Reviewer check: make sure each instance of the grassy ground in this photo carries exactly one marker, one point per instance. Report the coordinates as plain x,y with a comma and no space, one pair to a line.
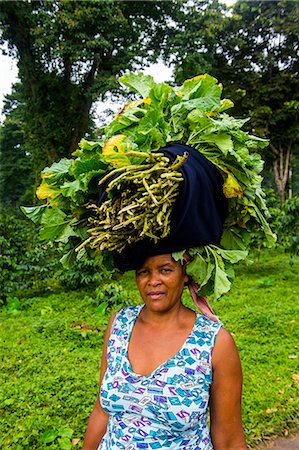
51,352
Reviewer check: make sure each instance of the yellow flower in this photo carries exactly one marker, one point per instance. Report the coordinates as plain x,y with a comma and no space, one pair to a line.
231,187
45,191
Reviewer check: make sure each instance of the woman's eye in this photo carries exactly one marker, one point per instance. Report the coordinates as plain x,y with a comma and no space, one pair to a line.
142,272
165,270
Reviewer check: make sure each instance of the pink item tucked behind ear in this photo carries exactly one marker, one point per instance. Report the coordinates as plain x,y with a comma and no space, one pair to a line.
202,302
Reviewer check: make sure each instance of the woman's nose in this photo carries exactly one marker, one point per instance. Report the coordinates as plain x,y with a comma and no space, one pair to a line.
154,279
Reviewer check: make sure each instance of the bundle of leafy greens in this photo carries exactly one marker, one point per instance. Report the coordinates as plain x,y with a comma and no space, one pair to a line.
192,114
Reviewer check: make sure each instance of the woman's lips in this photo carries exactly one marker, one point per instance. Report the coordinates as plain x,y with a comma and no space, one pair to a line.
155,295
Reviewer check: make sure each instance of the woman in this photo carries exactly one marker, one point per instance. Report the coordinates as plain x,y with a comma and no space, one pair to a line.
163,367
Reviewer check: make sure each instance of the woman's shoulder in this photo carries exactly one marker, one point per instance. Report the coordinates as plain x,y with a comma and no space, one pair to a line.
206,323
225,339
225,347
125,314
128,311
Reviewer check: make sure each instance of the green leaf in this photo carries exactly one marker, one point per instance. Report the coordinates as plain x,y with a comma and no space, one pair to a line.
8,402
225,104
140,83
232,255
178,256
198,119
229,123
65,432
13,303
88,146
101,309
222,283
49,436
160,95
222,140
232,240
57,170
202,103
64,443
71,188
86,177
271,237
117,159
34,213
202,86
68,259
94,163
127,118
229,270
56,225
200,269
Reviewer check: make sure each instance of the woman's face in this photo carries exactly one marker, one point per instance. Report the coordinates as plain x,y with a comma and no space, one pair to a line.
160,281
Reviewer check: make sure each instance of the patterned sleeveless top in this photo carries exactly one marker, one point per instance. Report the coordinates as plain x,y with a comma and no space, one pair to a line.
169,407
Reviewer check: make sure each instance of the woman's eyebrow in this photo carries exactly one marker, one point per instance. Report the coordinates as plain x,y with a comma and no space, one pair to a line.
165,265
160,266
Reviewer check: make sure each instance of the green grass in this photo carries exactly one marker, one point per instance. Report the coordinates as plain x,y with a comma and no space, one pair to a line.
51,353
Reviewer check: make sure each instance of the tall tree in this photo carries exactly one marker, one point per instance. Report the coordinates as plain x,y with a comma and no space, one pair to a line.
192,46
69,54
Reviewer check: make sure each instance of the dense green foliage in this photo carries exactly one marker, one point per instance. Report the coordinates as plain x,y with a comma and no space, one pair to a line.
51,349
30,266
27,264
254,52
16,175
286,222
69,54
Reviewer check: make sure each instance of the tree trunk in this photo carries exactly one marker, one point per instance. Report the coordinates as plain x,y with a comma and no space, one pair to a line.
81,124
281,164
290,178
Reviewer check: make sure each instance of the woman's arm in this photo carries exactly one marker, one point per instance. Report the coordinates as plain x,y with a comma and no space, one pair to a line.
98,420
226,391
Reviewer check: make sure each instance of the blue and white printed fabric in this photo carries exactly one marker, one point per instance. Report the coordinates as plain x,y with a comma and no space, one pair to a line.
167,409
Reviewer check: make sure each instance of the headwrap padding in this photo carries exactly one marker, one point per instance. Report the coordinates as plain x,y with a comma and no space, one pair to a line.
198,213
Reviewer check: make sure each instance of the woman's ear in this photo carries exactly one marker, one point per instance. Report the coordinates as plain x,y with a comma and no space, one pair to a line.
186,280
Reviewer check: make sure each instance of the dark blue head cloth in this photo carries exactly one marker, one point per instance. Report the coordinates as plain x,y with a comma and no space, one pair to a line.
198,213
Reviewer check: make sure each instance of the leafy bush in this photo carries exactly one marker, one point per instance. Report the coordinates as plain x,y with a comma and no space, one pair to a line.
288,226
30,267
110,295
82,273
27,265
284,220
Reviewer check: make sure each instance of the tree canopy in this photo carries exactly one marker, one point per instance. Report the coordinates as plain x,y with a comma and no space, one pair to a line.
263,47
16,175
253,51
69,54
